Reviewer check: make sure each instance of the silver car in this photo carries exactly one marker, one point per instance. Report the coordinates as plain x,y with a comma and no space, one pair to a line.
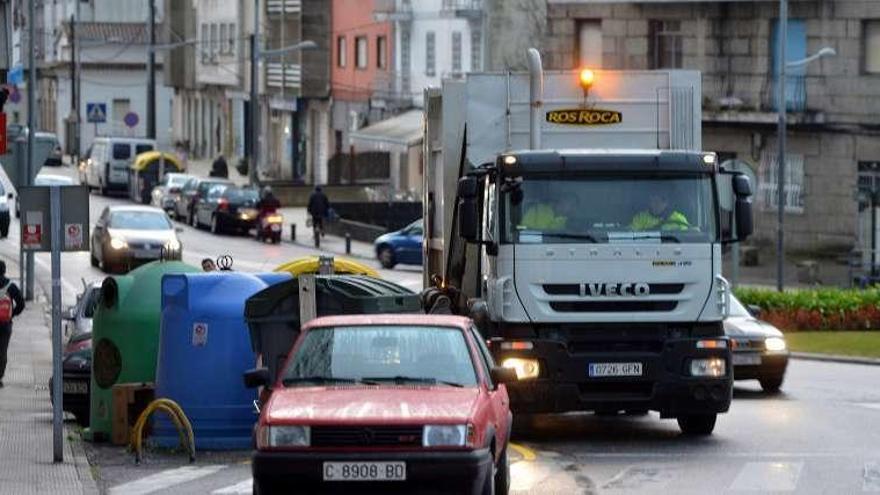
78,318
165,194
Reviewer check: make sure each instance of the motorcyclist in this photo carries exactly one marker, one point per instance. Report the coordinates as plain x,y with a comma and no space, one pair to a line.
268,203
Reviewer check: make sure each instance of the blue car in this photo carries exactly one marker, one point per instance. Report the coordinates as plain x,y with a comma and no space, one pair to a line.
403,246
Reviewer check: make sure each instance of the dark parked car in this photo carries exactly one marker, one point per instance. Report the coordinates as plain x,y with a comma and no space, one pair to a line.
228,209
403,246
759,349
193,190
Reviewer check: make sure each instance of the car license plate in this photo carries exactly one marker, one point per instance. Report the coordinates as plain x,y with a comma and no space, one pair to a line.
615,369
365,471
750,359
75,387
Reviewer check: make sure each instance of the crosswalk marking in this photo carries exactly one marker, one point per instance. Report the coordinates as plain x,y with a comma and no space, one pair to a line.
768,477
871,480
165,479
641,477
244,487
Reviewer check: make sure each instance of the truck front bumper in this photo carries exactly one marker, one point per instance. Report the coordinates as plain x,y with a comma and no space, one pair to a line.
665,384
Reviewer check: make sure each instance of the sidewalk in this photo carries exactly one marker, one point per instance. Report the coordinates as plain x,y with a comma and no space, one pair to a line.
26,465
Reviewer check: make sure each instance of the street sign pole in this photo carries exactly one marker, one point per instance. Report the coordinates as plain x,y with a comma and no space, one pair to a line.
57,390
32,130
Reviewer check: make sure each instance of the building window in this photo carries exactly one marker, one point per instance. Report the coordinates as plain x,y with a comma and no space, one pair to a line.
430,69
340,51
456,52
120,108
476,51
381,52
360,53
666,45
871,28
213,43
795,77
794,181
590,43
204,42
222,40
232,39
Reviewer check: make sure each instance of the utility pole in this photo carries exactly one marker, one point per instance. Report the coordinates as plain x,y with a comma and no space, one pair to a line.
781,105
151,80
254,178
32,129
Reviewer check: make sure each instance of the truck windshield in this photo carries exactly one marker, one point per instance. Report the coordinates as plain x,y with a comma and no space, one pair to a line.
609,209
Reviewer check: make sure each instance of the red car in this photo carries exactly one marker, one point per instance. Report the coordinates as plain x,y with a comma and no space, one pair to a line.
386,404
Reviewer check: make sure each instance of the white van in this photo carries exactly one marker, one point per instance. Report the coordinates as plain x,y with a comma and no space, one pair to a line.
108,164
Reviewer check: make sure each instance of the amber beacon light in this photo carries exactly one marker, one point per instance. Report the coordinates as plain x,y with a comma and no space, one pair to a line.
586,78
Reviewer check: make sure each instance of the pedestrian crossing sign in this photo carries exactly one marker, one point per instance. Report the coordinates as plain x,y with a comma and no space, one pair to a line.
96,112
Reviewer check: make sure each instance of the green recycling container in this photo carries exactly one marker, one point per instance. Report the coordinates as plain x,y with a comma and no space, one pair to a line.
125,336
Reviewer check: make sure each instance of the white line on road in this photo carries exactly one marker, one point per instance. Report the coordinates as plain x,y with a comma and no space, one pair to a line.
642,477
244,488
164,479
768,477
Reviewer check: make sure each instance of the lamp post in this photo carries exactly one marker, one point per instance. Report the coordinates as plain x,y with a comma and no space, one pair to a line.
781,107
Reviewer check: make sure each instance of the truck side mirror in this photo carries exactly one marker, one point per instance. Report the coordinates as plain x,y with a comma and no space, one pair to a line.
468,211
742,188
257,377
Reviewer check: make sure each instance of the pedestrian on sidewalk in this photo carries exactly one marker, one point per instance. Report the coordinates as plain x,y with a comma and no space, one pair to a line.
319,207
11,305
219,168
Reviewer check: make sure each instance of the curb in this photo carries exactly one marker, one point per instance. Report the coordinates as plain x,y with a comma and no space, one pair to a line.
835,358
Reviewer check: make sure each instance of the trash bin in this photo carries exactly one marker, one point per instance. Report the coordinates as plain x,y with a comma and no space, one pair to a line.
272,314
203,351
125,333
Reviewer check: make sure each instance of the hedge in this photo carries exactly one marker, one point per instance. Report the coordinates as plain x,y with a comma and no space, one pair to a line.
818,309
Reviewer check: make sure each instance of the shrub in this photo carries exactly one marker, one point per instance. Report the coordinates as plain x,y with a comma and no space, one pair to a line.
817,309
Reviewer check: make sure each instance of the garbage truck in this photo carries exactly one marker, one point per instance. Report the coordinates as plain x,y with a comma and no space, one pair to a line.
575,218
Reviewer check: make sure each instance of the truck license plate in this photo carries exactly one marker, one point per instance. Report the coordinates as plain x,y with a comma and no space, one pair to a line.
365,471
75,387
615,369
750,359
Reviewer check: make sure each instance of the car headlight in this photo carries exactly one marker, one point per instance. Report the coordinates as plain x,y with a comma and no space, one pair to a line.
711,367
284,436
445,436
172,245
774,344
117,243
526,369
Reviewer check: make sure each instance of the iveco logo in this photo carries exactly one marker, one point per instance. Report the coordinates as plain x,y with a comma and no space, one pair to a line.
621,289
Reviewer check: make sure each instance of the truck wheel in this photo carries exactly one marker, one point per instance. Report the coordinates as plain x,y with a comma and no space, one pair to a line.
697,424
771,385
386,257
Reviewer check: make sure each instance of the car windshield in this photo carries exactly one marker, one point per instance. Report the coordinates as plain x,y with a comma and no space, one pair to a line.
737,309
176,180
139,220
90,303
381,354
216,190
243,196
609,209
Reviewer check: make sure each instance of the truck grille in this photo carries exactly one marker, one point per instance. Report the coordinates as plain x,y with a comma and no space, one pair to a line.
612,306
575,289
647,346
363,436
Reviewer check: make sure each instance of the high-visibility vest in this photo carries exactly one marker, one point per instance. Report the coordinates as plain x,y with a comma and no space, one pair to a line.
542,217
645,220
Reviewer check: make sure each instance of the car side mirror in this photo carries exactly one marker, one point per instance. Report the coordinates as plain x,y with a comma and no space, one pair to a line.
754,310
257,377
468,212
503,375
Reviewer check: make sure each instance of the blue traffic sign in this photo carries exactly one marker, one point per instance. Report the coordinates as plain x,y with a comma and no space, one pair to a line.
96,112
131,119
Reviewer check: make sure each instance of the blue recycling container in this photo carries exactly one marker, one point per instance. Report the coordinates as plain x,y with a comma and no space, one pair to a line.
204,349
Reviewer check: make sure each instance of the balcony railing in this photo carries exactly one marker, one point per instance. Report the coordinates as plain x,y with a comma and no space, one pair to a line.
795,94
280,75
276,7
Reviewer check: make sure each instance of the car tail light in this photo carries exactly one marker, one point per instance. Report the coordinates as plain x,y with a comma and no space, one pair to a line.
223,205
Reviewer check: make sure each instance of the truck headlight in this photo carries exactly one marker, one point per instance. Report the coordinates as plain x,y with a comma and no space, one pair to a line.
444,436
526,369
284,436
117,243
710,367
774,344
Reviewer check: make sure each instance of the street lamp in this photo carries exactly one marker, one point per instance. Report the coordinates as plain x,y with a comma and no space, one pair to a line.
781,107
